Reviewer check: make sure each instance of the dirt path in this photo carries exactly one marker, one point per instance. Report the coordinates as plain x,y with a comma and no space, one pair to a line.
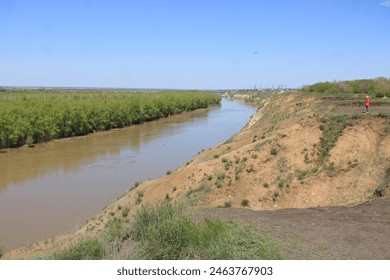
361,232
362,110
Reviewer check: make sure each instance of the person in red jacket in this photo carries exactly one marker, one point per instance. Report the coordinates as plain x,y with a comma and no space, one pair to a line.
367,103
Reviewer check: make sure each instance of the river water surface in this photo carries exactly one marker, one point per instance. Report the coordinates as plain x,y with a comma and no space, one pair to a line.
55,187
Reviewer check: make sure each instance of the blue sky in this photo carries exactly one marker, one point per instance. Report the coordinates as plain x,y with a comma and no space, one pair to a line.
202,44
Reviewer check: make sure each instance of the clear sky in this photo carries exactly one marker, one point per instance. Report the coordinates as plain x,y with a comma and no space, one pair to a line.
194,44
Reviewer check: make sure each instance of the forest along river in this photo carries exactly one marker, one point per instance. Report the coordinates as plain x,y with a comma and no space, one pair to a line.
55,187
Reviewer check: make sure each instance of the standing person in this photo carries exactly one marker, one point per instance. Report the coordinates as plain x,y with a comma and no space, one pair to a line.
367,103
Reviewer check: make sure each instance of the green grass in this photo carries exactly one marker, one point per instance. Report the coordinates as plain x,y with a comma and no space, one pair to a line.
139,197
115,232
89,249
166,232
195,195
227,204
302,174
125,212
330,135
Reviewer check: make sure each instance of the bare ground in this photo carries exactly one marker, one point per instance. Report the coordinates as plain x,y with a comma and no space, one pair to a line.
360,232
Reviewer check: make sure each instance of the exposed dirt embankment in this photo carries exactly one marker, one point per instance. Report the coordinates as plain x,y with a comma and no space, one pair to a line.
295,153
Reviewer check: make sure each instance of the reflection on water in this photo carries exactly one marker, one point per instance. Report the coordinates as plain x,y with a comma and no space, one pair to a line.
56,186
19,165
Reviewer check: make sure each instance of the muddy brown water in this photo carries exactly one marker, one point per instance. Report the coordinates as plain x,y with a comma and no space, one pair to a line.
55,187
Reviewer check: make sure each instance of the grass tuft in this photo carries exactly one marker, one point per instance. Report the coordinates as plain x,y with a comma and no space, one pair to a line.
125,212
139,197
194,196
165,232
227,204
90,249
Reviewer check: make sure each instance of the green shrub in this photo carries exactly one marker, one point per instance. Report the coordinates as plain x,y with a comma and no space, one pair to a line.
227,204
330,136
125,212
90,249
302,175
245,202
114,232
139,197
274,151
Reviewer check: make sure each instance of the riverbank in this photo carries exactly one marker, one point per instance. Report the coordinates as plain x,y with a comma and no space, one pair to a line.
297,152
57,186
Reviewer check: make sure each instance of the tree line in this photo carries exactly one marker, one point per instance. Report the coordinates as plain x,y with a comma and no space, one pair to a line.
379,87
34,116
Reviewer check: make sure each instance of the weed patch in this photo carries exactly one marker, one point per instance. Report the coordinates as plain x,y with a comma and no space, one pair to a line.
125,212
302,174
227,204
194,196
90,249
139,197
330,136
245,202
165,232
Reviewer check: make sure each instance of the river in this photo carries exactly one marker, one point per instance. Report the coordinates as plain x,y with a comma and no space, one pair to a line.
55,187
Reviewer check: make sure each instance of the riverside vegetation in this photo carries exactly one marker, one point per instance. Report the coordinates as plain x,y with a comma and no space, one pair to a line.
34,116
166,231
